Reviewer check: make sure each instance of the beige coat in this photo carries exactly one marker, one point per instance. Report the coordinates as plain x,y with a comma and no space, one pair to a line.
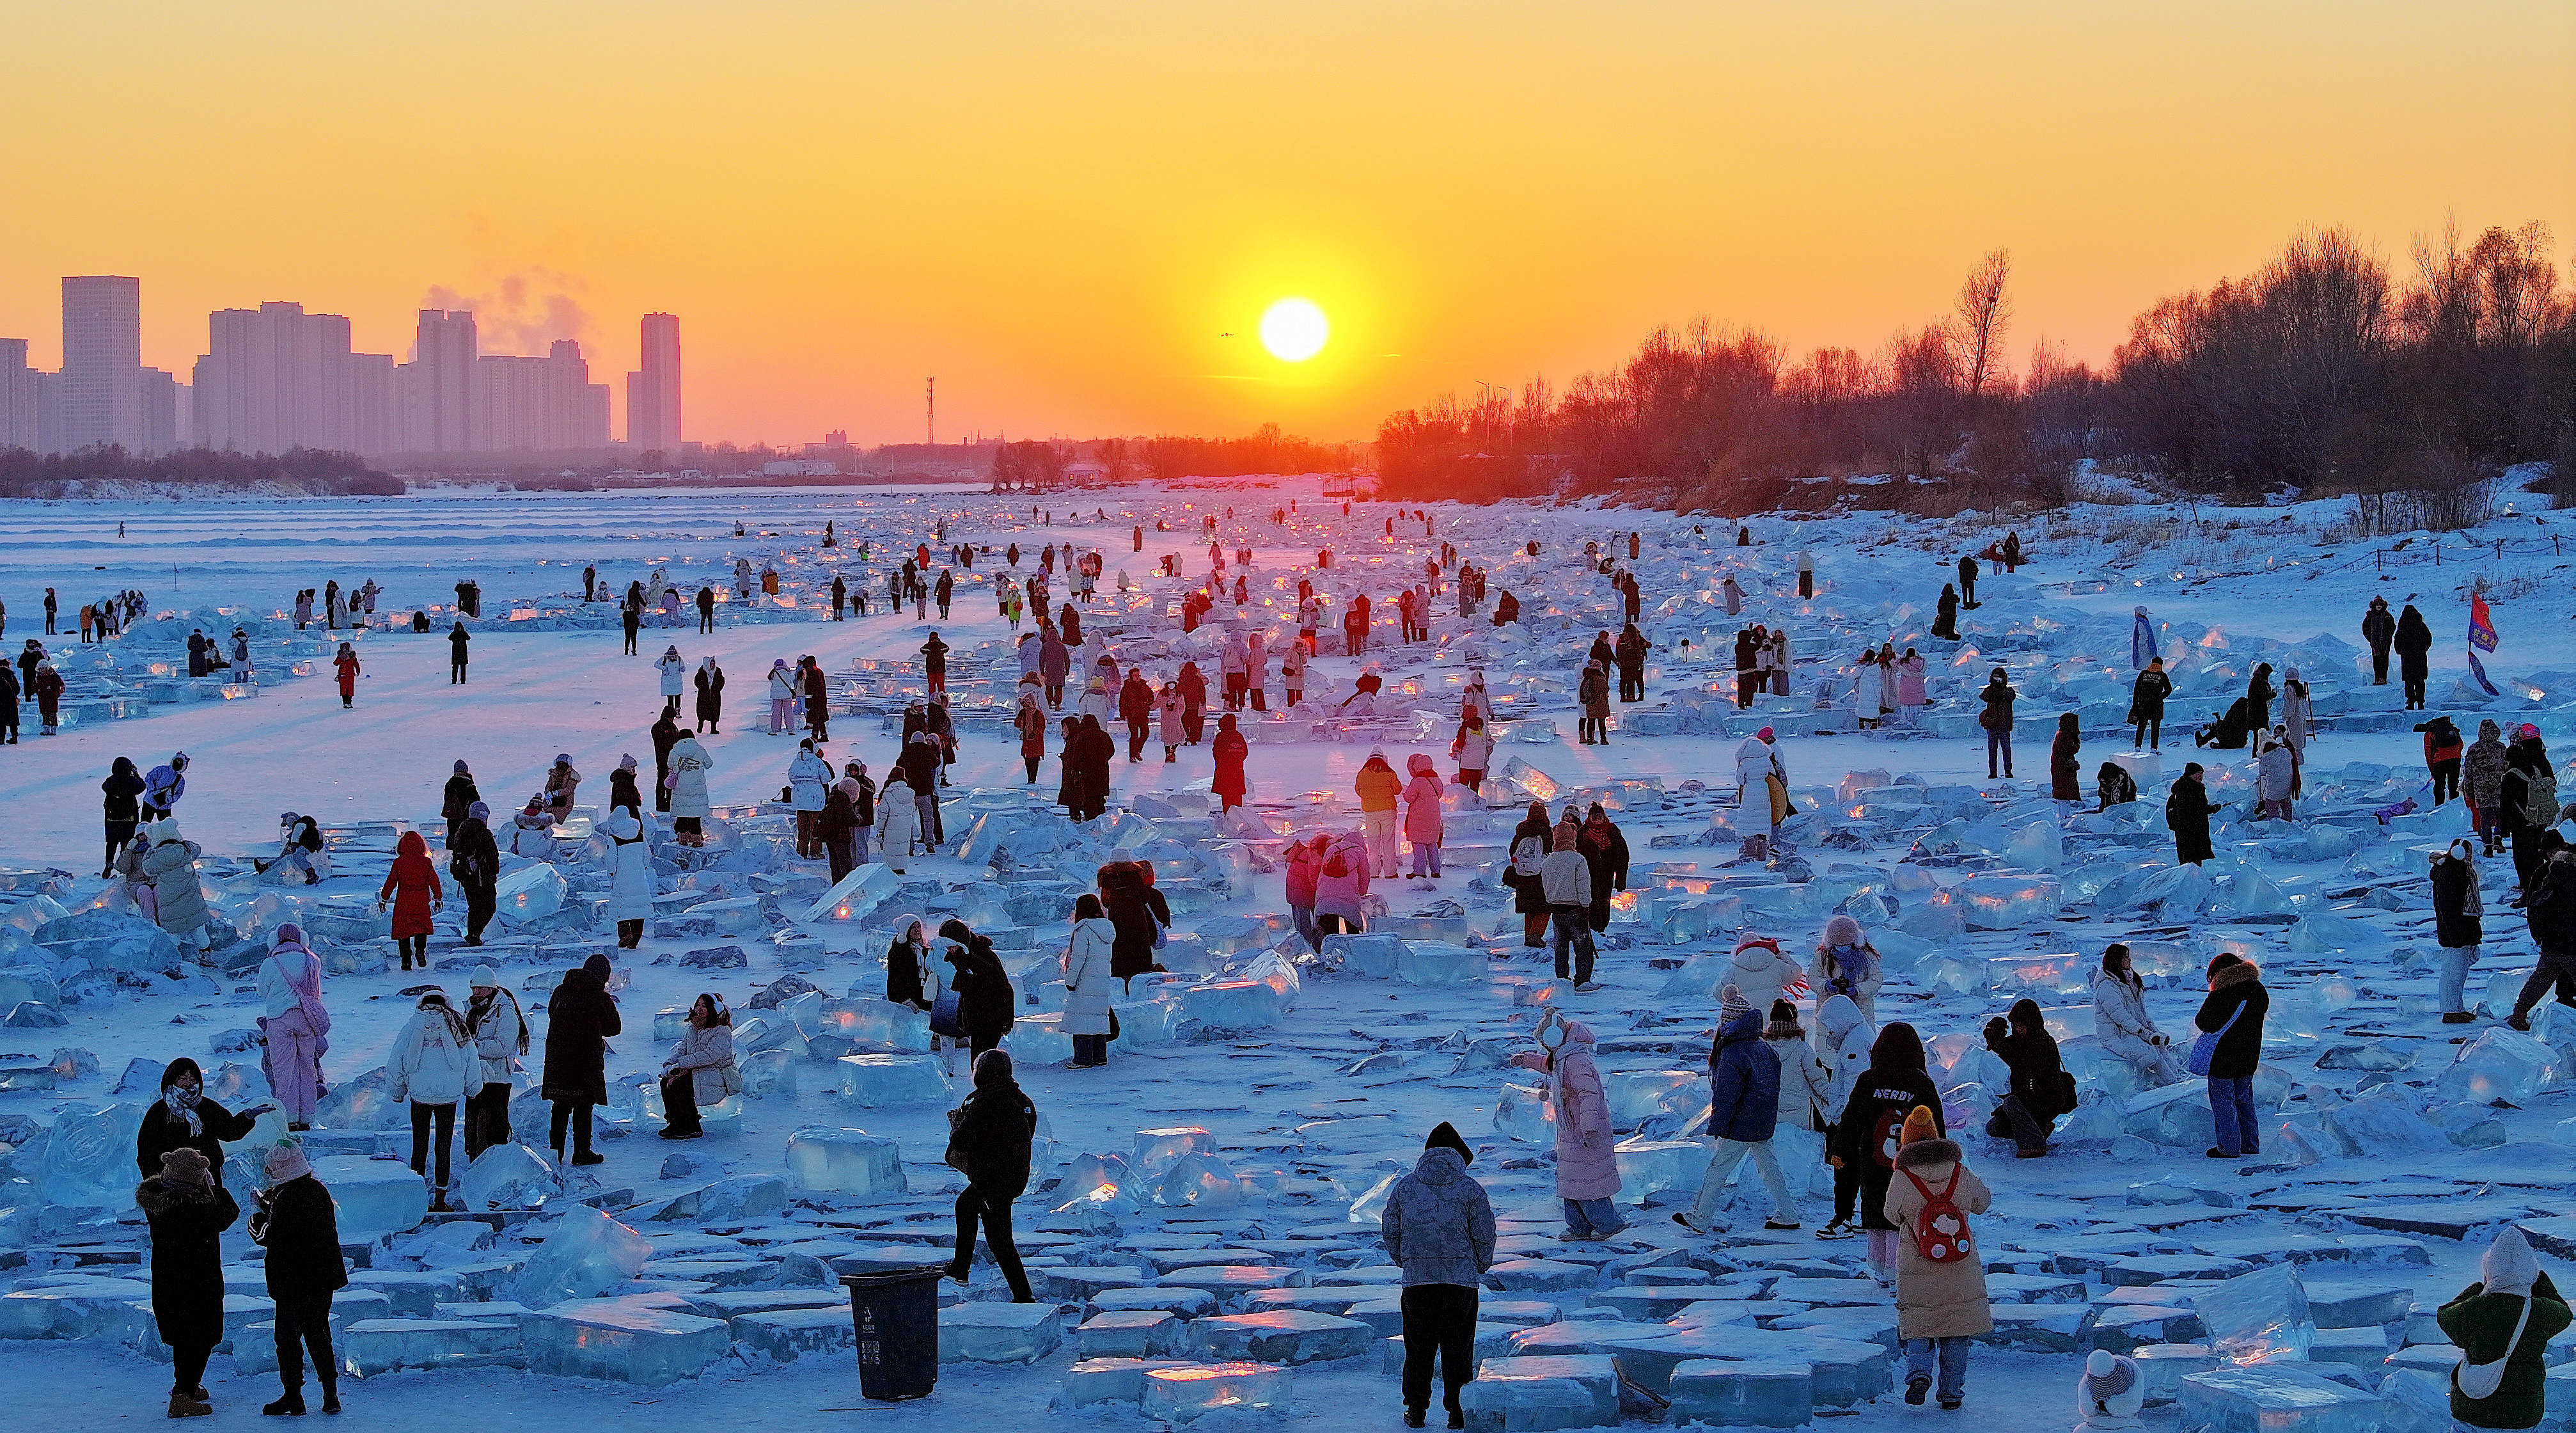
1937,1300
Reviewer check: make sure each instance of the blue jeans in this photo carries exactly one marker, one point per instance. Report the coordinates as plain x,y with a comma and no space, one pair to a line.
1954,1364
1574,928
1998,748
1591,1216
2231,1109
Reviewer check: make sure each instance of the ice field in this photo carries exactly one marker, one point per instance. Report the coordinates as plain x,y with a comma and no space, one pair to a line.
1205,1198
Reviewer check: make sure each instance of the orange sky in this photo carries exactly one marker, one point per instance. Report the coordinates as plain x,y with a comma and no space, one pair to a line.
1057,208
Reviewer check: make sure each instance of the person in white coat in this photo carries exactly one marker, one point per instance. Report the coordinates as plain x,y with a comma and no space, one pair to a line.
2123,1026
2298,713
1757,766
1759,970
1775,660
700,1070
1733,591
432,1067
690,763
630,876
500,1032
783,693
1805,1084
1476,701
1843,1037
898,821
1087,984
807,777
675,678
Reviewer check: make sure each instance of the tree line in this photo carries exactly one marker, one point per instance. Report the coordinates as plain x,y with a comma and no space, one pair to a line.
2322,371
25,474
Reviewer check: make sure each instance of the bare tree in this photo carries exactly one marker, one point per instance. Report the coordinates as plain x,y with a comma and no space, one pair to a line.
1983,315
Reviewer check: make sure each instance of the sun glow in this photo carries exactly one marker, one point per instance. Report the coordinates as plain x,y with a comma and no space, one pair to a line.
1294,330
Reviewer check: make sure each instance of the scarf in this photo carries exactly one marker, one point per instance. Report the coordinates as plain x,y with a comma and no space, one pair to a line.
1597,831
181,1102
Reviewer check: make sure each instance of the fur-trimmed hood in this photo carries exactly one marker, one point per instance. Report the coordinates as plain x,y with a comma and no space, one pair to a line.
2242,973
1924,1153
159,1196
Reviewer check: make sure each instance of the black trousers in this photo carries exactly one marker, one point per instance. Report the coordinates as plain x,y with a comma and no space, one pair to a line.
188,1367
304,1323
487,1118
680,1101
2152,728
481,901
422,1117
1031,762
707,619
2379,666
1439,1322
976,1206
575,1113
2446,780
1135,741
455,673
1632,686
2554,970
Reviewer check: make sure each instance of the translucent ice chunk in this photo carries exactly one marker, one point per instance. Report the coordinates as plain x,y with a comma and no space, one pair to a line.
585,1254
2276,1399
998,1333
2383,1123
2502,1064
1742,1395
88,1159
509,1176
626,1340
857,896
1270,969
1648,1166
1638,1095
1231,1004
884,1026
1159,1149
375,1197
1179,1395
1440,963
2261,1317
2040,974
530,893
2007,900
769,1073
2335,993
1521,1112
823,1159
1199,1180
1374,955
877,1081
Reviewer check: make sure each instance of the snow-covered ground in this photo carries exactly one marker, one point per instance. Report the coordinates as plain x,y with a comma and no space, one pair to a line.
2375,1159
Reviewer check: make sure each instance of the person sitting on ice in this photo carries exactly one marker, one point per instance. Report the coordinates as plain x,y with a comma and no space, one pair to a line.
2108,1394
2114,785
532,831
2228,731
1368,685
301,857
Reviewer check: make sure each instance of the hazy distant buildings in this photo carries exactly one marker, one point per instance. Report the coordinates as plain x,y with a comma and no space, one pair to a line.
29,410
438,384
653,390
106,395
276,378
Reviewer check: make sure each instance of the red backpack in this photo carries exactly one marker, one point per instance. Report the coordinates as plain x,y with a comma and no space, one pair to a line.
1941,1231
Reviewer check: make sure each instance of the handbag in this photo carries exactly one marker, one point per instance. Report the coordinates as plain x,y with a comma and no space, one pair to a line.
2481,1380
2204,1050
943,1016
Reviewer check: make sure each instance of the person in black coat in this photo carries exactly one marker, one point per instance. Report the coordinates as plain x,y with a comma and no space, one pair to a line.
2187,812
457,638
2414,643
183,1118
907,965
1122,896
666,734
1605,852
2147,705
710,681
123,791
474,859
2258,697
2380,630
298,1226
459,795
2036,1096
1968,578
2234,1011
1865,1136
988,1142
1945,619
1529,897
188,1212
580,1017
987,1002
1997,719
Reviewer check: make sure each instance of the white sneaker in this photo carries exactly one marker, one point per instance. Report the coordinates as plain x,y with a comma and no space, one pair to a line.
1587,987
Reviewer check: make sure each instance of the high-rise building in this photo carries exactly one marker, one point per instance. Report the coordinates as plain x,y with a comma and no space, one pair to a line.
653,390
277,378
439,385
22,399
540,405
102,378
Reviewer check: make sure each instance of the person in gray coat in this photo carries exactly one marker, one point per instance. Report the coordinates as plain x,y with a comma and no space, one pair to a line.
1439,1227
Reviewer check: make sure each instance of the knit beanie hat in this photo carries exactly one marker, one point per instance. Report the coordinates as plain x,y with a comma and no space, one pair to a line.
1732,1006
286,1161
2111,1384
484,978
1920,1124
1842,930
1446,1136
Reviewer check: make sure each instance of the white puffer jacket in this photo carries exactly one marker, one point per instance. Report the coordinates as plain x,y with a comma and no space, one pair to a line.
1760,973
2120,1010
1843,1037
432,1064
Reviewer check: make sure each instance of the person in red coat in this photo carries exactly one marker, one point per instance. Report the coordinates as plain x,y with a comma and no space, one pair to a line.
1231,749
347,663
412,885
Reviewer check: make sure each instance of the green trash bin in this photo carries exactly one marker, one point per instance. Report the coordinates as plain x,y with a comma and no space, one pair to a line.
896,1314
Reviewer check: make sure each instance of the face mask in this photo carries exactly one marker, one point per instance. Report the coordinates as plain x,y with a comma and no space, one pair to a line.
181,1097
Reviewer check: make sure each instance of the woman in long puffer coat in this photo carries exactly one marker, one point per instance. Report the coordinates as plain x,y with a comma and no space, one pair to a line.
433,1067
700,1069
2481,781
2123,1026
1865,1136
630,876
1940,1304
1167,712
123,787
412,886
1587,1168
2065,770
1342,884
987,1002
898,821
1422,824
690,764
188,1211
1231,752
171,866
580,1017
1842,1040
1088,983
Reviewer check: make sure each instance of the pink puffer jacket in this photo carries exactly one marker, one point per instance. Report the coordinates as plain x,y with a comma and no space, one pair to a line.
1422,802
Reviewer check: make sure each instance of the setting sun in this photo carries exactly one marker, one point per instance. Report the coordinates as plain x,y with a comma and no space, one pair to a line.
1294,330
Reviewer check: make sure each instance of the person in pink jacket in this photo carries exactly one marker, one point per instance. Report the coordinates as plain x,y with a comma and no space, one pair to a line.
1422,816
1342,885
1587,1166
1305,869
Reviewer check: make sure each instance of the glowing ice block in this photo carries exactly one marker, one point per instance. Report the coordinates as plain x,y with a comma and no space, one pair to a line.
822,1159
585,1254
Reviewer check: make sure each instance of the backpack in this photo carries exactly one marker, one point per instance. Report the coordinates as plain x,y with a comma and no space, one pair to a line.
1527,854
1337,861
1940,1232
